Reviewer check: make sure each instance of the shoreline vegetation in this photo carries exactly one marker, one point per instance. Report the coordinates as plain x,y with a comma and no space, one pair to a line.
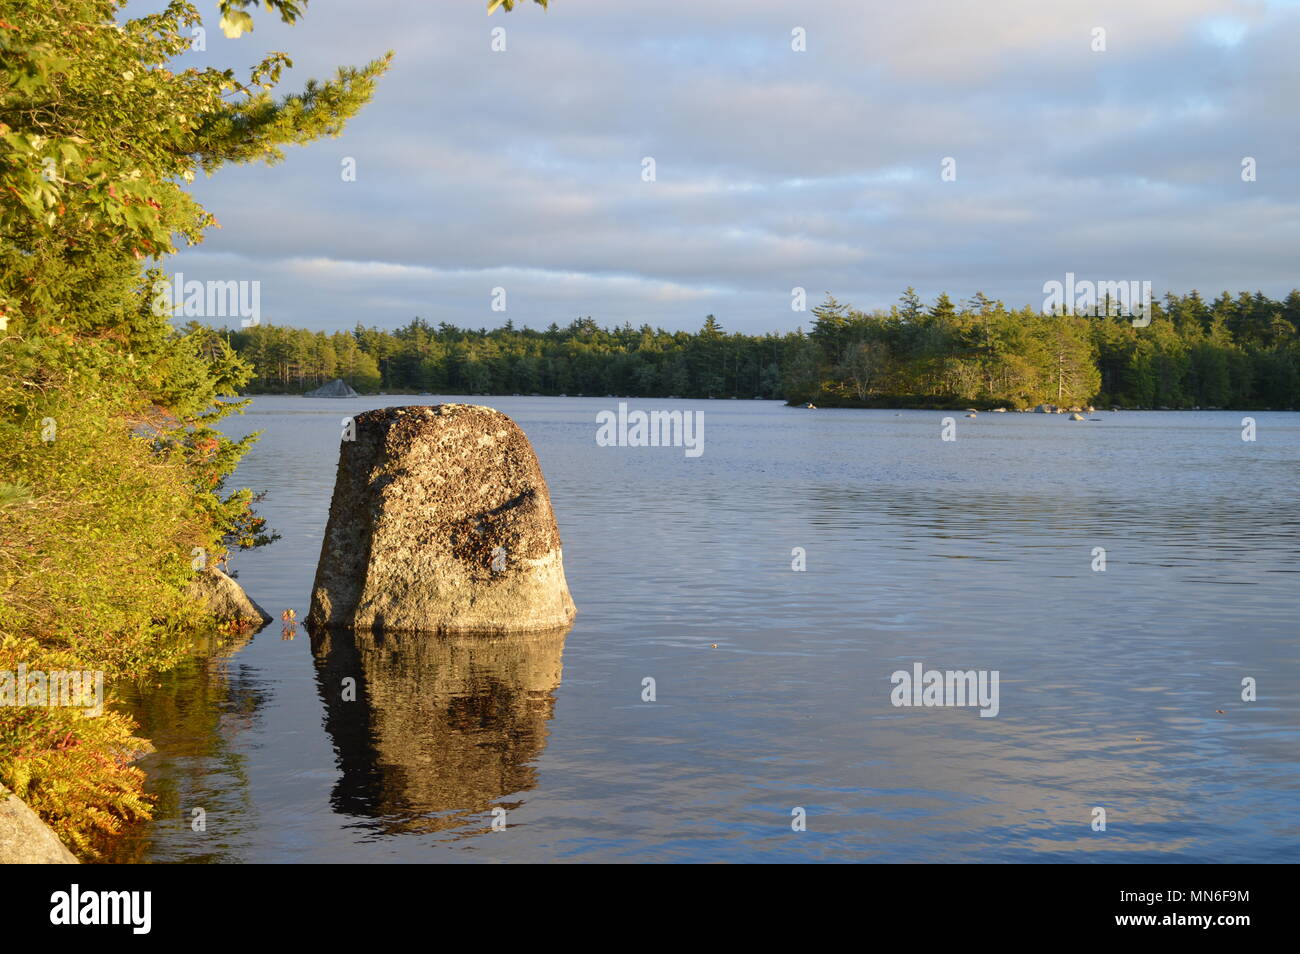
113,473
1239,352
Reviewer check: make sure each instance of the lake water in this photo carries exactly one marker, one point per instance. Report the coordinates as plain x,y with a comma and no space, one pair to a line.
975,554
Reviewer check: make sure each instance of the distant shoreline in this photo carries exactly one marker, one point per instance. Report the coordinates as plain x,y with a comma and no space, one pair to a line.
983,406
846,406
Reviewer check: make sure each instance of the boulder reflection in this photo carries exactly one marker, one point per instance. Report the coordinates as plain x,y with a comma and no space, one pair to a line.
441,729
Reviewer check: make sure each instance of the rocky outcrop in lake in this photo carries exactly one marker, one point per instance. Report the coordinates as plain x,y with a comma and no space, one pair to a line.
440,523
338,388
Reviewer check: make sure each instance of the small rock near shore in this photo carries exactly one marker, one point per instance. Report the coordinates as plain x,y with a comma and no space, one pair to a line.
225,598
25,839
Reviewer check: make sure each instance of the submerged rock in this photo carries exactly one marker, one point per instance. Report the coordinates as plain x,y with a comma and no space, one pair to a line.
25,839
225,598
440,523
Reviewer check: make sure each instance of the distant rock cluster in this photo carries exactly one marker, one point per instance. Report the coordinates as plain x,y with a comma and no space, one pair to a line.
338,388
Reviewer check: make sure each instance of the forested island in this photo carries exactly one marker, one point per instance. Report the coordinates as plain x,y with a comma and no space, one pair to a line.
1236,351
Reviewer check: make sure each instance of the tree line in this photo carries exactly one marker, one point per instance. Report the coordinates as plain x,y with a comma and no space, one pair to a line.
1238,350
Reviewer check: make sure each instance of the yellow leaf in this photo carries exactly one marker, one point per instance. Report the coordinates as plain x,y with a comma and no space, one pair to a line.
236,22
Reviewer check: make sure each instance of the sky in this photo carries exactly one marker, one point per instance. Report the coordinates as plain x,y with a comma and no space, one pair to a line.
825,169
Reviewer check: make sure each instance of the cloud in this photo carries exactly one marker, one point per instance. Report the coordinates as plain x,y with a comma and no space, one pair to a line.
774,168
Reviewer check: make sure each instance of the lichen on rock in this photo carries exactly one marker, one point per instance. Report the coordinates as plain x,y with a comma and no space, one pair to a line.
440,522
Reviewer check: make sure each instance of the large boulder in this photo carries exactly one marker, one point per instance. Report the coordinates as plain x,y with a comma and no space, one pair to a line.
25,839
440,523
225,598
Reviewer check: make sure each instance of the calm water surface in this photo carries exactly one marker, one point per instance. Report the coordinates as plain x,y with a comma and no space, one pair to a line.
973,554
